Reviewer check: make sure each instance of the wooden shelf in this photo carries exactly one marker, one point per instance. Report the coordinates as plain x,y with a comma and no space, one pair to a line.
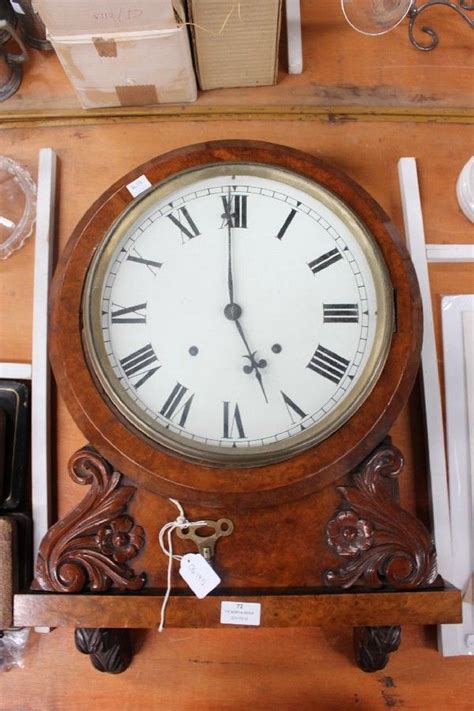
346,75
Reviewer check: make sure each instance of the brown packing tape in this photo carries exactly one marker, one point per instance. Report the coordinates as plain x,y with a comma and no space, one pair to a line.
143,95
105,48
92,98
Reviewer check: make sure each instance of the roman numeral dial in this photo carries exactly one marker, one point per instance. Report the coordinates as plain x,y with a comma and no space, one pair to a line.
185,223
129,314
294,411
136,365
289,219
235,210
341,313
151,264
178,404
325,260
232,422
328,364
238,314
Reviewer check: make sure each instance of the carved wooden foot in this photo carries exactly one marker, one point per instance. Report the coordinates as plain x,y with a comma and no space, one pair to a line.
373,645
110,649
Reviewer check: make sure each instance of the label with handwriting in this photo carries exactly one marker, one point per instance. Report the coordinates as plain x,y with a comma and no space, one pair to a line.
138,186
198,574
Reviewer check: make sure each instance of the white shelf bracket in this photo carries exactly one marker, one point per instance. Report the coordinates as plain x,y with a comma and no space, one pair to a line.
414,230
293,31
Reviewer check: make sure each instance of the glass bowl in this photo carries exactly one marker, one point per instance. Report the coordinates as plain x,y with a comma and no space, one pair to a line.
17,206
375,17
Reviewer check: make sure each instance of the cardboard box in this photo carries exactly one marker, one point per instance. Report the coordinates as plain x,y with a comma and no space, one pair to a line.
129,69
81,17
235,43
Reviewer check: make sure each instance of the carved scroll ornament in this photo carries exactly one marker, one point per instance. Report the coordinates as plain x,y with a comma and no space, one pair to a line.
383,544
90,548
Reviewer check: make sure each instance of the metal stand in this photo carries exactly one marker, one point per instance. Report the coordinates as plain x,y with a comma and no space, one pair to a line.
462,7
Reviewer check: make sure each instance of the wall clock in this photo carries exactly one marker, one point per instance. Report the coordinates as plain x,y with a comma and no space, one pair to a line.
241,333
238,335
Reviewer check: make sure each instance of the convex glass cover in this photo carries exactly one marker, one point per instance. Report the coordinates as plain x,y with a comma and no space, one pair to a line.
237,313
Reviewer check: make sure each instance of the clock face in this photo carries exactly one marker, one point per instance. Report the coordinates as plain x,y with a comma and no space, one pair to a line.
237,313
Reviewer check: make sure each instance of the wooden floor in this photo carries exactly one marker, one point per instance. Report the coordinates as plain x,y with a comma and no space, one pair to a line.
395,102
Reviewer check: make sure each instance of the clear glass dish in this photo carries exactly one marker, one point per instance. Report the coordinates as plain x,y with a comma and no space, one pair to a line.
465,189
17,206
375,17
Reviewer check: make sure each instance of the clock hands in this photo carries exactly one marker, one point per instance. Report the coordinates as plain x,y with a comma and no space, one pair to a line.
233,311
227,216
254,364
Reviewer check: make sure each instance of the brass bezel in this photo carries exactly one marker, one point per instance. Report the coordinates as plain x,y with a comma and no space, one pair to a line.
194,450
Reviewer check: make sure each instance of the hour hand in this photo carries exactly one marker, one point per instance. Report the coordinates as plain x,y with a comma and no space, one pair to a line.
254,363
256,366
233,312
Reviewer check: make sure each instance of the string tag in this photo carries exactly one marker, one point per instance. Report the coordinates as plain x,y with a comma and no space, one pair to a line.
198,574
195,571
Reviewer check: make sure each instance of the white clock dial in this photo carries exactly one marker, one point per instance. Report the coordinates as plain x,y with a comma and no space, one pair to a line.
237,313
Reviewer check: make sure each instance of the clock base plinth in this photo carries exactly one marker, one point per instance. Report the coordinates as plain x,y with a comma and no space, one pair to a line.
371,566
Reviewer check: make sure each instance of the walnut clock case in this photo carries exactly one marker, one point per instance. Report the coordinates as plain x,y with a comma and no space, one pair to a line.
238,336
315,271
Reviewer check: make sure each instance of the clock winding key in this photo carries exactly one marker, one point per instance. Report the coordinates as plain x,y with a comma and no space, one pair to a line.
206,543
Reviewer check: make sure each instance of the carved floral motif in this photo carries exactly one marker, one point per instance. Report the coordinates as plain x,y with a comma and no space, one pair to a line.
385,545
90,547
348,534
120,539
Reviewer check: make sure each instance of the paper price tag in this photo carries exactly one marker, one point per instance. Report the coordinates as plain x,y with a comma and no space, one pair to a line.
138,186
198,574
241,613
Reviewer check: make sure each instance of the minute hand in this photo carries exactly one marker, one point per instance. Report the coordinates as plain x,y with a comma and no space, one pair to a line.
233,310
